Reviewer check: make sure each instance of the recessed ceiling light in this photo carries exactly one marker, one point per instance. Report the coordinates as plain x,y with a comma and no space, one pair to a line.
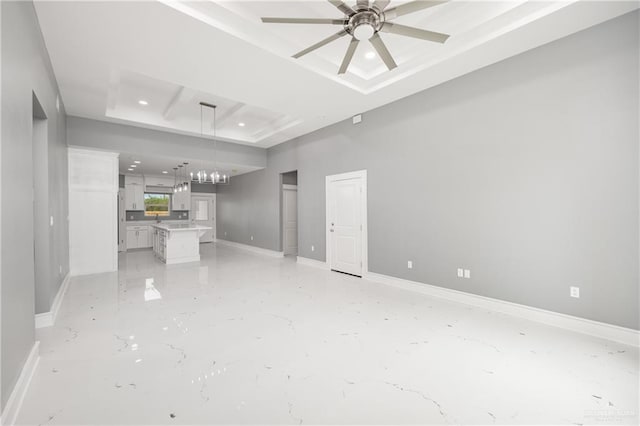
164,172
133,165
241,124
370,55
130,170
137,162
143,102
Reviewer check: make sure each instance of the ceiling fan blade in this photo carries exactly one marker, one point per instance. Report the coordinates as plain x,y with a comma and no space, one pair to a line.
362,4
379,5
414,6
403,30
349,55
304,21
382,50
320,44
343,7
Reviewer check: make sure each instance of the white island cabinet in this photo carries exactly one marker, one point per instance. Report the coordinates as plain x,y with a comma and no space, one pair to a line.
177,243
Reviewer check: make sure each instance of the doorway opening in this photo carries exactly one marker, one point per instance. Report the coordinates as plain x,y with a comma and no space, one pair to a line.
289,224
40,193
346,237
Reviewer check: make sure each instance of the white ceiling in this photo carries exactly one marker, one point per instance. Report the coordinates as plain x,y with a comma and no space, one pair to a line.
109,55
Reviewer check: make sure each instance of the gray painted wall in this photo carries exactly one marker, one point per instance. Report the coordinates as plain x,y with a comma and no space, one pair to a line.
203,188
113,137
290,178
525,172
26,70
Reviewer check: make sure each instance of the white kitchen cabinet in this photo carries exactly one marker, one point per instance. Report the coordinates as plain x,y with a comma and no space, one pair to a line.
138,237
154,182
182,200
134,193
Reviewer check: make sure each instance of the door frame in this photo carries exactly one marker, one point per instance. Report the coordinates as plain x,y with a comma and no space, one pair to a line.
288,187
362,174
214,200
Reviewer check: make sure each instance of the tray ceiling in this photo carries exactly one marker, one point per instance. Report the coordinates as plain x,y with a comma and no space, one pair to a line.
109,56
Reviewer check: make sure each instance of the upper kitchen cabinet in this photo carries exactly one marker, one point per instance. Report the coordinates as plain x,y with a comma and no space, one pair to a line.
134,193
182,200
153,183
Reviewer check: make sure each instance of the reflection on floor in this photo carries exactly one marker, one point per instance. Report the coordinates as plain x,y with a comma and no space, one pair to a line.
245,338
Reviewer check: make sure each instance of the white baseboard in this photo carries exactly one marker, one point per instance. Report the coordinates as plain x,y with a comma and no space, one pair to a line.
615,333
47,319
14,403
254,249
312,262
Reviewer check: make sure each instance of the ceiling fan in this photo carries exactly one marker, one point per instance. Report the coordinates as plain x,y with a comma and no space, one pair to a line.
364,22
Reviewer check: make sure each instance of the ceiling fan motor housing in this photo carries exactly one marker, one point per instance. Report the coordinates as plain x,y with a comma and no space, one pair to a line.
364,24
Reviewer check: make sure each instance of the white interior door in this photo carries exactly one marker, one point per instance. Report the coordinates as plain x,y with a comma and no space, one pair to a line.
346,222
290,219
203,208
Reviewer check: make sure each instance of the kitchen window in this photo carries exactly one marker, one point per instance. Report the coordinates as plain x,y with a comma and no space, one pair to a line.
157,204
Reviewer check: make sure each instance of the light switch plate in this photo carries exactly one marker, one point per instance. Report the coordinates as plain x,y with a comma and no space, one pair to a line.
574,292
51,221
409,264
357,118
467,273
313,248
460,273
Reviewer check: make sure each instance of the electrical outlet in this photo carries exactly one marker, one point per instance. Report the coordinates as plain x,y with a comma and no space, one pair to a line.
252,238
51,221
60,267
313,248
131,217
575,292
409,264
467,273
225,233
460,273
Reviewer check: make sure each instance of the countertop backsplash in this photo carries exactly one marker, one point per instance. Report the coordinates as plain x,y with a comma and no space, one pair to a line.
139,216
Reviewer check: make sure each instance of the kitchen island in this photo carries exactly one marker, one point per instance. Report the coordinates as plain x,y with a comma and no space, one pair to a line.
177,243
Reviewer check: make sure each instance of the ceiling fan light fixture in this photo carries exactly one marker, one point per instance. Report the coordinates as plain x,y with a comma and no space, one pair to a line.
364,22
363,32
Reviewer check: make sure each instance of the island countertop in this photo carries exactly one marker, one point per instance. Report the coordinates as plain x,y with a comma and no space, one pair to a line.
180,227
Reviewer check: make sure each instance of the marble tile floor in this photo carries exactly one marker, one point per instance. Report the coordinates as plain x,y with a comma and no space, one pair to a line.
245,338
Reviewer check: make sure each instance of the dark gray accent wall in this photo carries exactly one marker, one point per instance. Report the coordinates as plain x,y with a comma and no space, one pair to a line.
290,178
120,138
203,188
26,71
524,172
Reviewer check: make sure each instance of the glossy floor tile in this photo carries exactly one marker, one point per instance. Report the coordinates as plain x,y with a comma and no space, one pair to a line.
245,338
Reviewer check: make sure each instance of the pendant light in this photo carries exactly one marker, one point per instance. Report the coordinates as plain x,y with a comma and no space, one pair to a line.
201,174
217,177
180,184
175,179
185,183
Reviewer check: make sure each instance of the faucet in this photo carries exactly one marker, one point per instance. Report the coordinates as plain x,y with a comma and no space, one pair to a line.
157,219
